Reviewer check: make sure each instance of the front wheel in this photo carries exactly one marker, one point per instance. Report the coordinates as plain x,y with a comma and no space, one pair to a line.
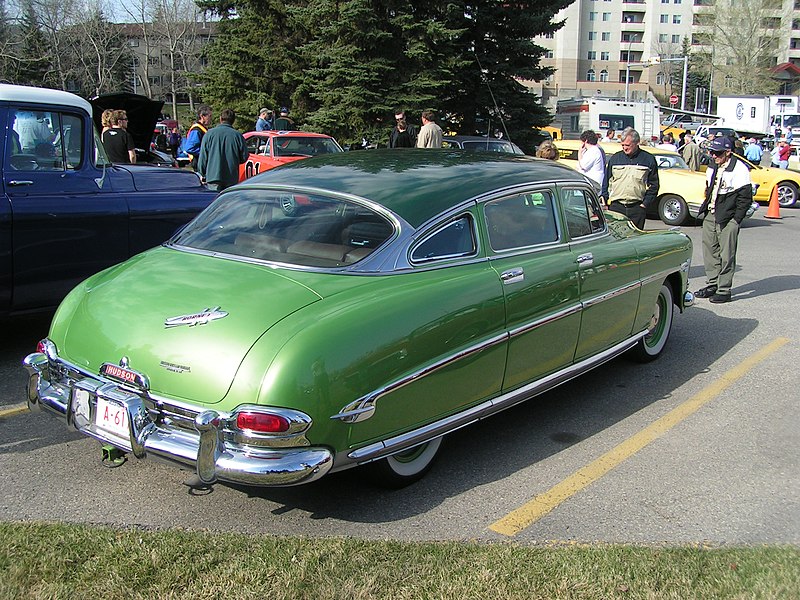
673,210
650,346
404,468
787,194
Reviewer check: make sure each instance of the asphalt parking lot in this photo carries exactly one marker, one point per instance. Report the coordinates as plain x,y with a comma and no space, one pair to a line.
700,446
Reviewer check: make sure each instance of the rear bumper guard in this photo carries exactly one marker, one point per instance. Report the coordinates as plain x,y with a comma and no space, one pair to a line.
204,449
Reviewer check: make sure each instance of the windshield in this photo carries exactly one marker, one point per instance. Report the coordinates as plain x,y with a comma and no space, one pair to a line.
304,146
289,228
791,120
489,146
671,161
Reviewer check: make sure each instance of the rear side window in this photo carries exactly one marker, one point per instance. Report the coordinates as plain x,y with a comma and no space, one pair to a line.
45,140
453,240
521,221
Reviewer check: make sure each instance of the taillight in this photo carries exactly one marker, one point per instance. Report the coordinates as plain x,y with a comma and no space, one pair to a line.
40,347
260,422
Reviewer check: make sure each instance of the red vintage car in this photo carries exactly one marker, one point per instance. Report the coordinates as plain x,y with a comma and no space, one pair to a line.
270,149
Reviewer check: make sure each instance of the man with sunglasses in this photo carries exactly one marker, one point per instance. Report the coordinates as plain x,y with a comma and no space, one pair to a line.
729,193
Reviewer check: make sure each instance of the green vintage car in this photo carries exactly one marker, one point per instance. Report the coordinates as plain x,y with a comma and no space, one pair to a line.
353,309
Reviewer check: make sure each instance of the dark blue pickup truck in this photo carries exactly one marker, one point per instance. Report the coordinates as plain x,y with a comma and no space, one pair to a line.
66,212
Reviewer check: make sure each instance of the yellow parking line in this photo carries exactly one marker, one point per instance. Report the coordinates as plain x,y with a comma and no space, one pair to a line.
529,513
14,409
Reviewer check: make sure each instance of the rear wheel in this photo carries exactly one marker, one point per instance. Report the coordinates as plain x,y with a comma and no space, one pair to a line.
673,210
787,194
650,346
404,468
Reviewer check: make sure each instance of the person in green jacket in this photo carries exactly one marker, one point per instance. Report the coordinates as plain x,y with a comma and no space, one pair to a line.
222,150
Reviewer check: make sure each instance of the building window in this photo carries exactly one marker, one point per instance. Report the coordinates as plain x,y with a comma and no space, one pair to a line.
660,78
664,19
606,36
605,56
133,43
592,35
662,37
606,16
549,54
676,1
549,36
676,39
590,75
604,75
676,19
592,55
592,16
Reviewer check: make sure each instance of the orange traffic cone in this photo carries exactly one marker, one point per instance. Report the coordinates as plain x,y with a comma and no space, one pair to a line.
774,208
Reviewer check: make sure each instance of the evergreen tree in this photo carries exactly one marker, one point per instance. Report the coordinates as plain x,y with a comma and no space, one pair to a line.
252,57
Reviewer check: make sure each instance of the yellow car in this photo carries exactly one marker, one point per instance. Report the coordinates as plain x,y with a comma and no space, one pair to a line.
681,190
786,181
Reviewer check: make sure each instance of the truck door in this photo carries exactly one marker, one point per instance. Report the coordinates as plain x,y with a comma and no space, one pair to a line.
66,222
5,228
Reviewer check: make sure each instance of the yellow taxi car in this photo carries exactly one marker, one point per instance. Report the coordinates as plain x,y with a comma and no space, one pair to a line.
681,190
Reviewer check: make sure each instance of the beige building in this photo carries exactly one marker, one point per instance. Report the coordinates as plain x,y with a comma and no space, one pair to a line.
603,42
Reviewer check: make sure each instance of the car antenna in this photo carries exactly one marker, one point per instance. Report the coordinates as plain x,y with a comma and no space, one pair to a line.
497,108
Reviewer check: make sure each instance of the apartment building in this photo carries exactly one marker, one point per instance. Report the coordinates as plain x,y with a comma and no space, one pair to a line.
605,42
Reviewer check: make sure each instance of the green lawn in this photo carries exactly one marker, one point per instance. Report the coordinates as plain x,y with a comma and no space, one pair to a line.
70,561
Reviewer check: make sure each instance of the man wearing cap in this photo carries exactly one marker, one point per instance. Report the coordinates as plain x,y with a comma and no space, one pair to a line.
284,122
264,122
729,193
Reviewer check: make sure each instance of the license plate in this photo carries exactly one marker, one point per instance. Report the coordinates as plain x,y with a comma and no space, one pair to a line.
112,417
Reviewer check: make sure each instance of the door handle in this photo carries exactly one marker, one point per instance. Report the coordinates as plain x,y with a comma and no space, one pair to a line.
20,182
585,260
513,275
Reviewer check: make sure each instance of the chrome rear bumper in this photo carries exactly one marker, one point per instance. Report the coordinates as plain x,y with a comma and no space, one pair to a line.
205,448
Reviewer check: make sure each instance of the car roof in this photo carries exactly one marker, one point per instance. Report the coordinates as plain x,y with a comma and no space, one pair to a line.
416,184
24,93
293,133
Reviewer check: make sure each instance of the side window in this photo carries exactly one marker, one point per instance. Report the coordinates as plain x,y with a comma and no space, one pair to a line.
584,215
45,141
252,144
520,221
454,239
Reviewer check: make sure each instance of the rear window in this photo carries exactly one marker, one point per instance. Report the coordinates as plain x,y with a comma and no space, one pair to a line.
297,229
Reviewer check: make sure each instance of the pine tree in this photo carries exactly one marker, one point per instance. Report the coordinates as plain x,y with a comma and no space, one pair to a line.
33,66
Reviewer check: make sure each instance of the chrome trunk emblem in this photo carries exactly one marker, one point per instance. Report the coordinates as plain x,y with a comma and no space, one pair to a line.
200,318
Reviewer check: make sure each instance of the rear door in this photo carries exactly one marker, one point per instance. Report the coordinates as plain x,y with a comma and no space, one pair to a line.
67,223
539,277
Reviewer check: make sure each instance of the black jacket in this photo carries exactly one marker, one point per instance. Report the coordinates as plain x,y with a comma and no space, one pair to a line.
735,193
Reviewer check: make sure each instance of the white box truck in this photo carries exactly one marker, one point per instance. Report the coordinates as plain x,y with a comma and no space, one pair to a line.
601,114
759,116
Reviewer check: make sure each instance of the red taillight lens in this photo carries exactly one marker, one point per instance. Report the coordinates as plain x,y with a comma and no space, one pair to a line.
40,346
261,422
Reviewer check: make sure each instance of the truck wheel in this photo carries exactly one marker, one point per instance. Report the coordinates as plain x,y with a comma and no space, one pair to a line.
673,210
787,194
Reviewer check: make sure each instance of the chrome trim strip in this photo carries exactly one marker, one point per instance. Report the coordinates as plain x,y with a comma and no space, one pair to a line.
612,294
564,312
364,407
658,276
485,409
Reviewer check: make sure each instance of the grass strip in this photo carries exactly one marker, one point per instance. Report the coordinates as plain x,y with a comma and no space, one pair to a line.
41,560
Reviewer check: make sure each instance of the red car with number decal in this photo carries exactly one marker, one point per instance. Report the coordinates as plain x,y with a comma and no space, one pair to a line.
270,149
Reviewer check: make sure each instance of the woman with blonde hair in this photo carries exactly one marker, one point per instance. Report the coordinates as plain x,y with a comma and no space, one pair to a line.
548,150
105,119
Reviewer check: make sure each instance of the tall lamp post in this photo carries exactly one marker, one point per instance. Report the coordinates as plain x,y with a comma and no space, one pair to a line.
654,60
685,60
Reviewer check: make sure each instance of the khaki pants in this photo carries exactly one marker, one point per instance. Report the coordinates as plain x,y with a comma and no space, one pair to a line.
719,253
